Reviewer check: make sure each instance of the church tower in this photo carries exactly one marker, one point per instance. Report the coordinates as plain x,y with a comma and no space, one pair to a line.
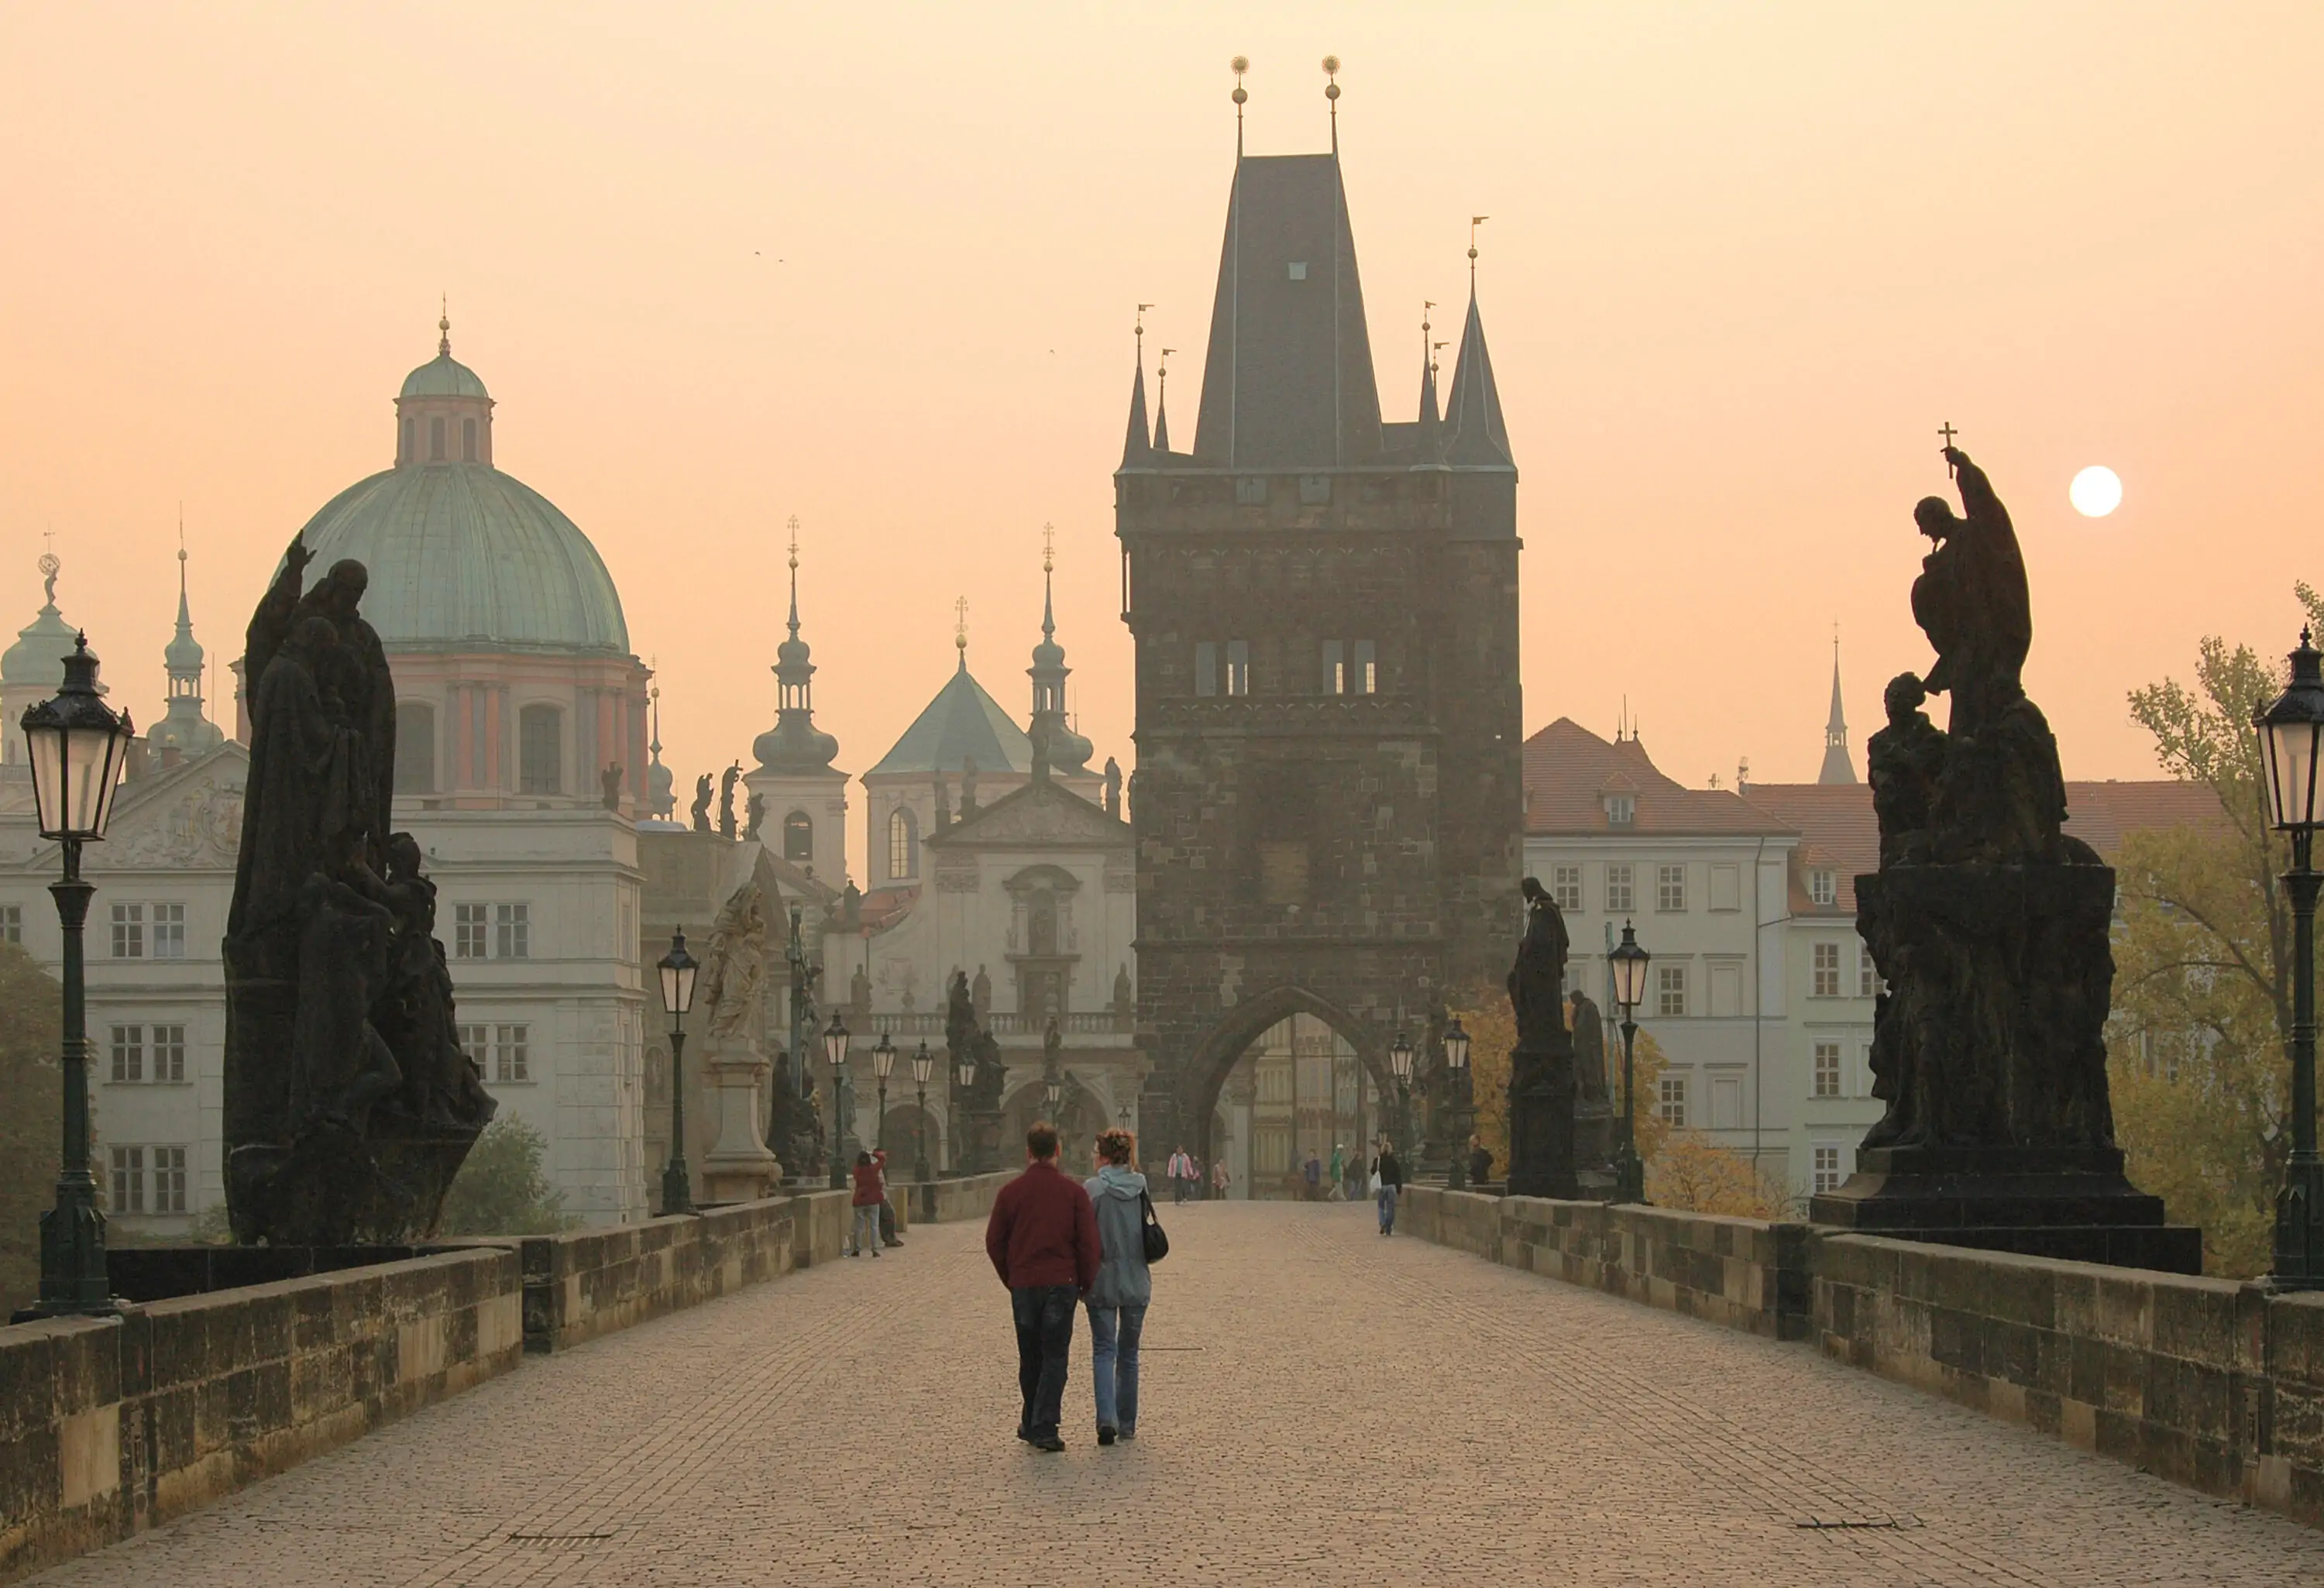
1837,766
805,795
183,731
1052,733
1325,607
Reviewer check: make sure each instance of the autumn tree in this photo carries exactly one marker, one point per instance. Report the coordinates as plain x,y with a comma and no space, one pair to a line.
2203,994
31,1105
503,1188
1485,1014
1693,1173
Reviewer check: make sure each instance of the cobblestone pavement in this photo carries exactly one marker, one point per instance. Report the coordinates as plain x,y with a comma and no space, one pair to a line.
1319,1406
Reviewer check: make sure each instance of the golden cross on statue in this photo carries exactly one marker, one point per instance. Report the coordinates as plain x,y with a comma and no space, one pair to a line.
1948,432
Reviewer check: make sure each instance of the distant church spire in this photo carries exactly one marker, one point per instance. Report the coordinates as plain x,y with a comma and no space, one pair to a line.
1137,445
794,745
444,327
183,729
1239,65
662,797
1837,768
1162,402
1066,752
1474,407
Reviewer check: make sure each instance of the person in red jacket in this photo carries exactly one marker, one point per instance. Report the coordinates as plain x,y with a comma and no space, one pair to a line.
871,1195
1042,1239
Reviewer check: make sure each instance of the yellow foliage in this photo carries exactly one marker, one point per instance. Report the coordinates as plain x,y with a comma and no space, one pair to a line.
1492,1027
1693,1173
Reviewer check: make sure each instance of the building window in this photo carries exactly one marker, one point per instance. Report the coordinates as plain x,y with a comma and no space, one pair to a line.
1565,886
169,1179
410,438
1206,667
1298,270
512,1053
169,932
1669,1105
1826,1070
1824,971
1618,889
1364,677
1314,490
1250,490
1670,887
12,924
540,750
903,844
468,931
128,931
1868,974
129,1180
1621,809
436,439
511,931
1335,668
798,836
170,1054
1824,887
1670,990
1238,667
415,747
128,1052
1827,1168
468,440
476,1042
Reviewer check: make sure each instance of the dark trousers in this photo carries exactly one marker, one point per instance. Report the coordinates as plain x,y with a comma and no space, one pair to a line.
1045,1335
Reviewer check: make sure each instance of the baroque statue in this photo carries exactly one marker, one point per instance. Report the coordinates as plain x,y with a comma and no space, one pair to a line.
1989,927
733,973
727,781
1541,1090
701,806
349,1104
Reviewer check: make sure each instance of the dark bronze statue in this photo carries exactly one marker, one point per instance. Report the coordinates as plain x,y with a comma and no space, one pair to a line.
1112,787
1588,1029
1536,981
1540,1067
701,808
609,786
1902,763
348,1103
727,781
754,813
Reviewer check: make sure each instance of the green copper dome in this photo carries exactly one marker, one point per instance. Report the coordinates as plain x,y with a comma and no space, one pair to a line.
463,557
443,376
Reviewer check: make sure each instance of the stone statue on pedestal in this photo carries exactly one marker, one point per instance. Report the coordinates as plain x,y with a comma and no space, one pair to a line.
349,1105
701,806
609,786
731,989
1540,1067
1989,927
727,781
1593,1110
754,814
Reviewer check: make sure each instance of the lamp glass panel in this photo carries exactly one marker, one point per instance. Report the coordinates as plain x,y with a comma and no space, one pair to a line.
1399,1059
883,1059
1630,978
834,1043
2292,757
924,1065
108,779
1456,1049
669,988
47,748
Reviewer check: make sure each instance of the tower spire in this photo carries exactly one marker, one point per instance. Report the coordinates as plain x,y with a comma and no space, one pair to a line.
1137,445
1331,97
794,744
1162,402
1838,767
444,326
1058,745
960,630
183,730
793,527
1239,65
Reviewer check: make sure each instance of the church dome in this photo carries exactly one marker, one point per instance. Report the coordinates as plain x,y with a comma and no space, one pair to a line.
37,658
463,557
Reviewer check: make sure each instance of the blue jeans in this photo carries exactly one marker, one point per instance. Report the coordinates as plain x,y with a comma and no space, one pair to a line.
1043,1315
1387,1209
1114,1332
866,1236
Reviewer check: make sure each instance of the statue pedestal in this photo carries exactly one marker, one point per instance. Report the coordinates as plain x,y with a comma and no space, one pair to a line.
738,1167
1593,1137
1541,1122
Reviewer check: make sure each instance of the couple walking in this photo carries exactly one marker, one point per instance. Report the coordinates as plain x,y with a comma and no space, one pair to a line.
1055,1242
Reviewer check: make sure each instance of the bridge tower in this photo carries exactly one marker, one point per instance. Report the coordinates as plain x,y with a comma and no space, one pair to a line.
1327,802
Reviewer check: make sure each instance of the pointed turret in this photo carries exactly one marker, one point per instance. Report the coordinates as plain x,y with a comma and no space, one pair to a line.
1136,447
183,730
794,745
1837,768
1162,404
1431,431
1474,412
1067,752
661,792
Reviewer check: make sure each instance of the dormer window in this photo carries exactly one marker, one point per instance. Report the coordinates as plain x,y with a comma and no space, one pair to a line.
1824,887
1621,809
1298,270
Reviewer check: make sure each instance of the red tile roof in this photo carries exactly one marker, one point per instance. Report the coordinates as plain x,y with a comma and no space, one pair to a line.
1568,771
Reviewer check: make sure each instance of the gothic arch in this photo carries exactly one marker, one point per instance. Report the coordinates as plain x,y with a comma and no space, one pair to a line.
1223,1046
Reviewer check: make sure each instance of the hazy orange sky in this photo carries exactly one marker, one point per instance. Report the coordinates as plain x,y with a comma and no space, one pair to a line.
875,266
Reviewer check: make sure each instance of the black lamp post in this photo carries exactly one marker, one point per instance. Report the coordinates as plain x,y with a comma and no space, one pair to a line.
1463,1101
1399,1064
677,972
924,1065
1629,965
2290,738
843,1101
961,1118
883,1062
79,745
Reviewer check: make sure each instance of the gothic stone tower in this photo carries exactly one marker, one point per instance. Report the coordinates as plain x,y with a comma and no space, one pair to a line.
1327,803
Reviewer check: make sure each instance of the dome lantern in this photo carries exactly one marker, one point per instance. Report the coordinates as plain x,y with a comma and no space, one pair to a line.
443,414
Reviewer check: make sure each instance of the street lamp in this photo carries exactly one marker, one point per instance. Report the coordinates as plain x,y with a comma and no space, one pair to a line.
77,745
842,1101
883,1061
1053,1088
924,1065
1629,965
1456,1066
679,969
1399,1064
2290,738
961,1118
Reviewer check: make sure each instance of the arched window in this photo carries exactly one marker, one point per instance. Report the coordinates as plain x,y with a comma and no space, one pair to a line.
415,747
468,440
903,844
411,440
798,836
1041,923
540,750
436,439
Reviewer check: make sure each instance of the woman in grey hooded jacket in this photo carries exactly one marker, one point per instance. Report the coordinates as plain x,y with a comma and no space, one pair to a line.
1118,1301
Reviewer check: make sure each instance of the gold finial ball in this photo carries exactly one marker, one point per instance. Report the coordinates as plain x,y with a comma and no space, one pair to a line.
1239,65
1239,97
1472,251
1330,63
1330,90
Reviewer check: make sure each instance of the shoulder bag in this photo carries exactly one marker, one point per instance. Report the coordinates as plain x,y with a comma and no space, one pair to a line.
1157,1244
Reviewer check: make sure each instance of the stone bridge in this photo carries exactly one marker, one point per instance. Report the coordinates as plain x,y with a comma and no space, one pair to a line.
1320,1405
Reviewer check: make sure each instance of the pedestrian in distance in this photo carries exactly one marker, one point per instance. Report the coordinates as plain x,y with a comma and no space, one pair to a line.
1387,1184
1480,1161
1312,1174
870,1197
1125,1285
1219,1179
1042,1238
1181,1170
1339,1191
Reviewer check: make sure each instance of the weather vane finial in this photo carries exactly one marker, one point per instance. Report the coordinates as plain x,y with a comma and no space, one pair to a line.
1332,96
49,567
960,630
1239,65
1048,548
793,527
1138,330
1474,221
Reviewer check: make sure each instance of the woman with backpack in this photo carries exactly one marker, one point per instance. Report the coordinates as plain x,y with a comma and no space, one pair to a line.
1118,1301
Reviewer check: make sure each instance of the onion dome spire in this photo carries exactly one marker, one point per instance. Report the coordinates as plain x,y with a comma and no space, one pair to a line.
1067,751
794,744
661,793
183,727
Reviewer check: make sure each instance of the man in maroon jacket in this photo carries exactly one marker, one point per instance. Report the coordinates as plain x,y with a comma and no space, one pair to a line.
1042,1238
